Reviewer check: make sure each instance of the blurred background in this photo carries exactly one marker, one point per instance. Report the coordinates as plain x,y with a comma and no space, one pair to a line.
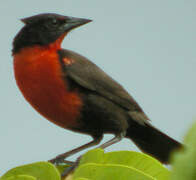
147,46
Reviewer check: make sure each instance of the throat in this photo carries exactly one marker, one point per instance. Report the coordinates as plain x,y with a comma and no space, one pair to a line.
57,44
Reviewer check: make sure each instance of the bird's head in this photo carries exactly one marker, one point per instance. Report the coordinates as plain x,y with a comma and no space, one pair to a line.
44,29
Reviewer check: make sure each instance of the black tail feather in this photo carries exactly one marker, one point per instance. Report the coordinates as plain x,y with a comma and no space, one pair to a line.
152,141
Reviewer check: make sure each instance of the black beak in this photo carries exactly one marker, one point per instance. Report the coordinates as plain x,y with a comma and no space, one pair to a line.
72,23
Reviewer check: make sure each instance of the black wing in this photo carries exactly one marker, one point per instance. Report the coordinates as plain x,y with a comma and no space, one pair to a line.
91,77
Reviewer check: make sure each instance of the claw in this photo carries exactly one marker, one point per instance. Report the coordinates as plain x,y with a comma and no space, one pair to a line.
70,169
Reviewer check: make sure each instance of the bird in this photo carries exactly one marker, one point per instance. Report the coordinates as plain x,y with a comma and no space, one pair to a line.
74,93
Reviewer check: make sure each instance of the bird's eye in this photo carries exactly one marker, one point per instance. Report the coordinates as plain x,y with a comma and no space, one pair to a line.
54,22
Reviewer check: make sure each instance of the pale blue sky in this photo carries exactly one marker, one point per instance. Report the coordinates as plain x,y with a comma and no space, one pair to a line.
147,46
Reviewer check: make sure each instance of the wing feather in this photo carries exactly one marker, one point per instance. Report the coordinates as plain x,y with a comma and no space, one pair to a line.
90,76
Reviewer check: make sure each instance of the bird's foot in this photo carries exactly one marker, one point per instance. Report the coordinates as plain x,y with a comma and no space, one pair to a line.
71,168
59,160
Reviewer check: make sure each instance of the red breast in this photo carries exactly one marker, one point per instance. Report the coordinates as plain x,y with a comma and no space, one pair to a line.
39,77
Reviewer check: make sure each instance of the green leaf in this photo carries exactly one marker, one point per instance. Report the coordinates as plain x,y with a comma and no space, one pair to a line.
109,171
39,170
189,139
137,161
184,161
21,177
94,156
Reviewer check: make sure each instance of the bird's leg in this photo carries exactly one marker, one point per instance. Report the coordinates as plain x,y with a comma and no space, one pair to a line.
61,158
114,140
